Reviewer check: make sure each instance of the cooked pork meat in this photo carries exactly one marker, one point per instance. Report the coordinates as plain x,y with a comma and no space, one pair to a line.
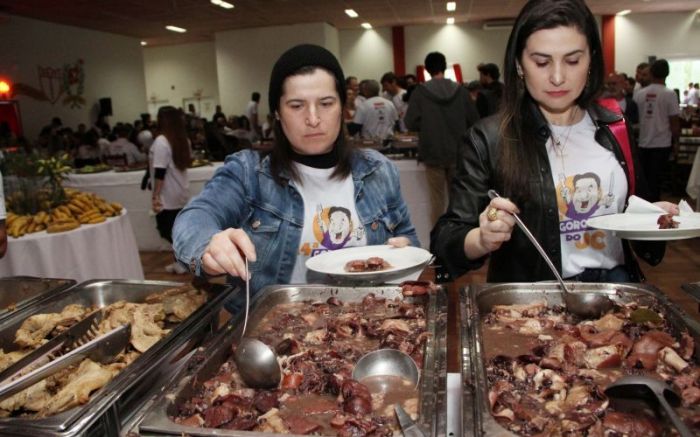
317,345
553,382
88,377
372,264
666,221
72,386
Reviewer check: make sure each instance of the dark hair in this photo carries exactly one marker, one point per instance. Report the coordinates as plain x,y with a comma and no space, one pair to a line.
371,88
519,141
642,65
659,69
389,77
491,70
435,63
333,209
255,96
587,175
281,155
350,79
171,123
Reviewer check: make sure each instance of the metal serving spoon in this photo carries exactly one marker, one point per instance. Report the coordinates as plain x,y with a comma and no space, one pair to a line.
642,386
586,305
257,362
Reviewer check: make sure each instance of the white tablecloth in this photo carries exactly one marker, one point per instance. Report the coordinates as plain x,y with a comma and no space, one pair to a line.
102,251
125,188
693,187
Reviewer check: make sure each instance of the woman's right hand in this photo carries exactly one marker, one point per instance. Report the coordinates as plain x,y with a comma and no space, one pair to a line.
225,253
496,224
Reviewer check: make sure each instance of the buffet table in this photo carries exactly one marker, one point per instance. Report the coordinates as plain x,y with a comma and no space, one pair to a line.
104,250
125,188
693,186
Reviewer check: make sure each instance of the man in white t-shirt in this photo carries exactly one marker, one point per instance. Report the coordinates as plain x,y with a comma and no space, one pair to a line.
659,125
376,116
694,95
390,85
251,112
123,147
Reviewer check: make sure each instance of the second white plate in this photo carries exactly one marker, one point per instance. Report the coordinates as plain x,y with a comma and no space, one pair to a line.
645,227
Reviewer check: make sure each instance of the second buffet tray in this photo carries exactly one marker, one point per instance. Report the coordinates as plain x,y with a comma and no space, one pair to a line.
478,300
432,397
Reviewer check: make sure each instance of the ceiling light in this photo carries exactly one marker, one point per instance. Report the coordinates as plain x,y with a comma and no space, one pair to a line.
366,25
222,3
143,43
451,20
451,6
176,29
351,13
625,12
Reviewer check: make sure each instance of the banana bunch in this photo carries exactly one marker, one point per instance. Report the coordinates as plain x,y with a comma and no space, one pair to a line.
19,225
82,208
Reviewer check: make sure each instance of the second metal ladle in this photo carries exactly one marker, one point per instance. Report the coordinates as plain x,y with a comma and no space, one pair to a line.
586,305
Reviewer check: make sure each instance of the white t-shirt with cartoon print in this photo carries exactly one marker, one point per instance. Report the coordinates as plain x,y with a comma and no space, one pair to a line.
330,219
589,182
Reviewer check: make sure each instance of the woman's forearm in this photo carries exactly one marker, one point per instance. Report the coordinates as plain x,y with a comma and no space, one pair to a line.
473,248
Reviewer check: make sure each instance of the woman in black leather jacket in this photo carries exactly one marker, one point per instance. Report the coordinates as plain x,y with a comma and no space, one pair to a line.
552,152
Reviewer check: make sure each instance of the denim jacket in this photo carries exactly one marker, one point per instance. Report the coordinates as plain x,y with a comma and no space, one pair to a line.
243,194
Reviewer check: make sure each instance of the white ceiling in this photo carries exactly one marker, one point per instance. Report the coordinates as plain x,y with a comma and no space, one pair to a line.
146,19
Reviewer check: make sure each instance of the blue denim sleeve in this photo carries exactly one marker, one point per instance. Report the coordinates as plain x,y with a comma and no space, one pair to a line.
404,226
220,205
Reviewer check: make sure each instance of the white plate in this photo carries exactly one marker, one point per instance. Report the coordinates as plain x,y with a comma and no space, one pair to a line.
402,260
644,226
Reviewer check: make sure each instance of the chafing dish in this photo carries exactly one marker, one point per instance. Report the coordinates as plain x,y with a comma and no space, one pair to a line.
432,403
112,405
480,299
16,292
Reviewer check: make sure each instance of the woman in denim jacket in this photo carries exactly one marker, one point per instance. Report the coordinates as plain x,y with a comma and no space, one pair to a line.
313,193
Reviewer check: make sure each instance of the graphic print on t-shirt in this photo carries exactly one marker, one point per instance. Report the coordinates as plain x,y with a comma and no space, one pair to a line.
579,197
333,229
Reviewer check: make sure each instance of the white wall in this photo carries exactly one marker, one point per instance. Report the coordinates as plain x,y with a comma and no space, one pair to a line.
366,54
174,73
664,35
466,44
113,67
369,53
245,57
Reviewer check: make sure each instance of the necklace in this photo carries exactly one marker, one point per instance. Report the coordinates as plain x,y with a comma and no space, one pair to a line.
558,145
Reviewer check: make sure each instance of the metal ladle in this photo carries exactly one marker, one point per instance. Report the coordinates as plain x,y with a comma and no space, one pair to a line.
257,362
585,305
634,387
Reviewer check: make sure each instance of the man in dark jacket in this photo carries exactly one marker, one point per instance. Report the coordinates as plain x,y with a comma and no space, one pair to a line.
441,111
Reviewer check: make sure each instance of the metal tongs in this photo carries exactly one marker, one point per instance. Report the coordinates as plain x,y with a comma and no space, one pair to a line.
66,349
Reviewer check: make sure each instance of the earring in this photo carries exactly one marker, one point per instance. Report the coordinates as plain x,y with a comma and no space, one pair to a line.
277,116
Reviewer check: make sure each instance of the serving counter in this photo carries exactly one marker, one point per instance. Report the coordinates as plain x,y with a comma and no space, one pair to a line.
103,250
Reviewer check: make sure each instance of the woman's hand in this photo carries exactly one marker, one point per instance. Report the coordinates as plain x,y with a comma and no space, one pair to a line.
669,207
225,253
398,241
156,204
495,227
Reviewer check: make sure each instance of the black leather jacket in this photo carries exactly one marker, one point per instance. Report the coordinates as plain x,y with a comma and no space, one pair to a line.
517,260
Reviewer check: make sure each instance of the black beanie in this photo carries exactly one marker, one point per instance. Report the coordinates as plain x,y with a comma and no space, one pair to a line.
302,56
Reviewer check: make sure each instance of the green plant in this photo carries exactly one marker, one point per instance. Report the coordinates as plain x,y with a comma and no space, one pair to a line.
33,183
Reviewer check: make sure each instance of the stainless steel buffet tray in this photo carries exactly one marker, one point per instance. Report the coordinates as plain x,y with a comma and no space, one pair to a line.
112,405
432,403
16,292
480,299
